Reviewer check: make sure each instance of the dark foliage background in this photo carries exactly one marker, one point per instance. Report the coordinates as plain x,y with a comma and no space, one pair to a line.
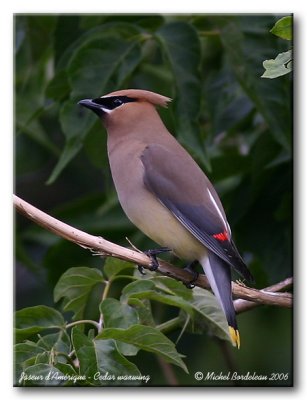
236,125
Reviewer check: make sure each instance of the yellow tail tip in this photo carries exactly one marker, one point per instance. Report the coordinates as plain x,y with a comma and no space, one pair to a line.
235,336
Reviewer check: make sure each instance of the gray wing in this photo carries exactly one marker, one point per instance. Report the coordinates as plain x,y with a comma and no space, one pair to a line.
180,185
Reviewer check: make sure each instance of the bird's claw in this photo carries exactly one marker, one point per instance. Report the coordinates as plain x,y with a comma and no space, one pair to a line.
141,270
190,284
190,268
154,265
240,283
152,254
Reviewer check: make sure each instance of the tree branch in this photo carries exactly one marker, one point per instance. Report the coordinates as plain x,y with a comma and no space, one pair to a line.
108,249
242,305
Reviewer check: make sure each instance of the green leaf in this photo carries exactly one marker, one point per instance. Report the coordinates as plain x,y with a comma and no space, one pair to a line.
111,362
75,123
143,308
71,149
74,286
67,369
209,317
23,354
283,28
271,99
225,100
171,300
113,267
119,315
40,29
85,352
117,30
95,146
93,64
54,343
148,339
58,88
140,292
28,123
100,360
279,66
33,320
159,289
200,305
181,46
128,64
173,287
43,375
136,287
42,358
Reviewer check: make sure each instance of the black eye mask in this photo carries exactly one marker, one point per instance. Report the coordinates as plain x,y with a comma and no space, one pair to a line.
112,102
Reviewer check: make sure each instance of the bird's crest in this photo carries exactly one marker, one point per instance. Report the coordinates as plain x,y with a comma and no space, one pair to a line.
145,95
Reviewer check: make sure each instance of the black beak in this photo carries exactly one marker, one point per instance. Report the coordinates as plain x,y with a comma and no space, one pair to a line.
89,103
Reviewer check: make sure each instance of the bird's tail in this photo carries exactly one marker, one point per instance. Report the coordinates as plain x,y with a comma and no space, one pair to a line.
219,276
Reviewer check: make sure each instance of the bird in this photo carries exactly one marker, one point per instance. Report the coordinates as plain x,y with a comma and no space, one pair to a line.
165,193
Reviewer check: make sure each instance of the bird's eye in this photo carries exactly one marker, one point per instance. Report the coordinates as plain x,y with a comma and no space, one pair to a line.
112,102
117,102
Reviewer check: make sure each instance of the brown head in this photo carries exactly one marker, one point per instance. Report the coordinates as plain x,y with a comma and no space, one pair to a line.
126,108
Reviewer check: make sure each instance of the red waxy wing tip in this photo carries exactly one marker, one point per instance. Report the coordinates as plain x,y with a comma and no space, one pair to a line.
222,236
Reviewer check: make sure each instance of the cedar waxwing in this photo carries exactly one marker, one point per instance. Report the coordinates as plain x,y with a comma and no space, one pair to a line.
165,193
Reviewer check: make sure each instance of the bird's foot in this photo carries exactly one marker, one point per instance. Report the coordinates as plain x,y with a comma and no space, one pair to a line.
240,283
141,270
152,254
191,268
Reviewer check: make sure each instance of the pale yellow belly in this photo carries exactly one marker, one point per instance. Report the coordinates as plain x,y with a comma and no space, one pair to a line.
157,222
